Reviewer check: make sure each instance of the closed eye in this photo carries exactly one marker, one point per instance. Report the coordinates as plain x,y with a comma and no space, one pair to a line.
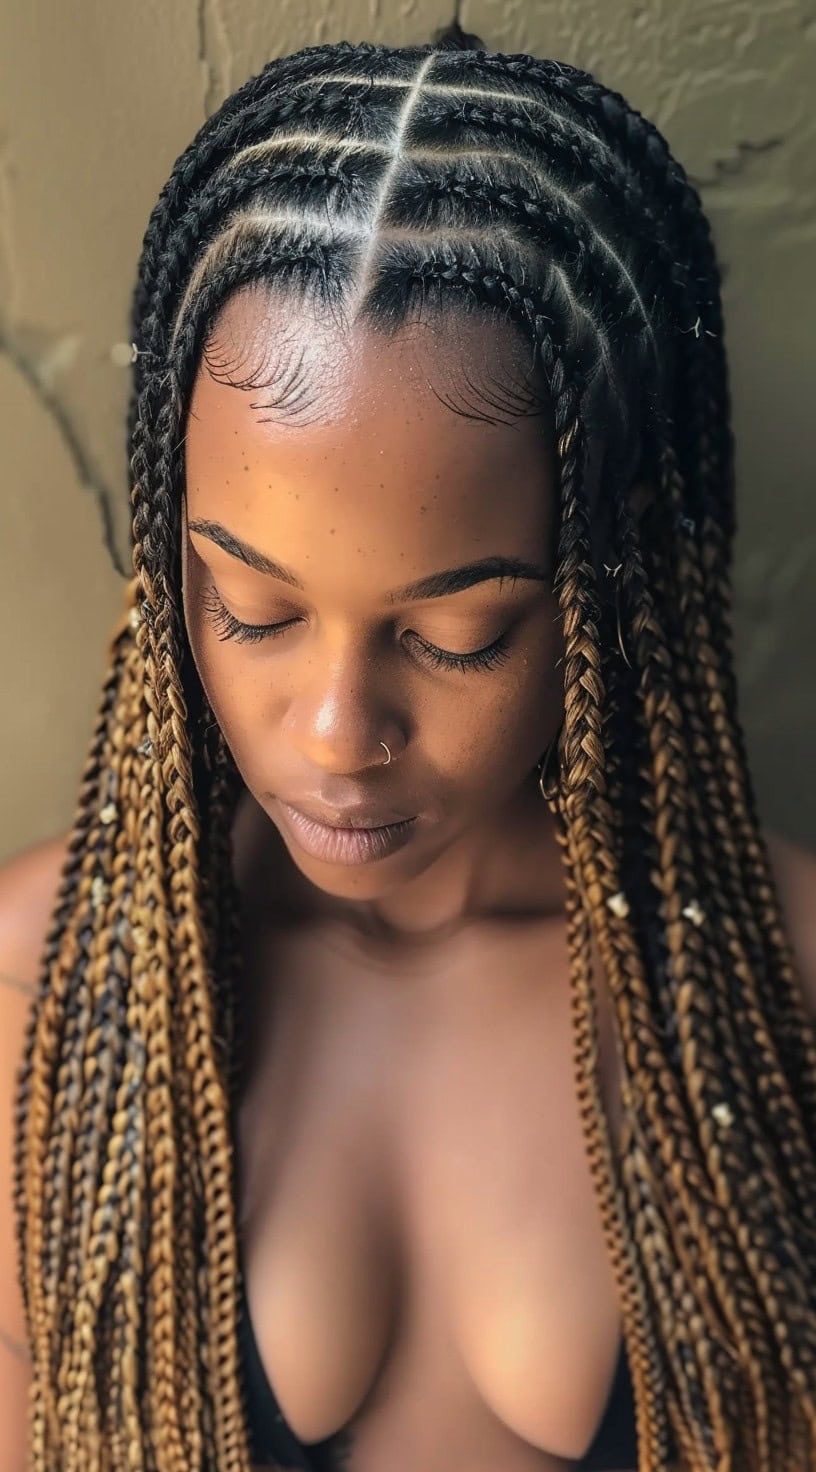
227,626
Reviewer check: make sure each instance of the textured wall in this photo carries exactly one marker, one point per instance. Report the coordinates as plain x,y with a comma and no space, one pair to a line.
97,98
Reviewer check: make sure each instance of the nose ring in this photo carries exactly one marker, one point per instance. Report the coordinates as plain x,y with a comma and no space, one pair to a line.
385,764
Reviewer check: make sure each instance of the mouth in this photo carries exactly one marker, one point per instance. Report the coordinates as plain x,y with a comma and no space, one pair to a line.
347,844
349,818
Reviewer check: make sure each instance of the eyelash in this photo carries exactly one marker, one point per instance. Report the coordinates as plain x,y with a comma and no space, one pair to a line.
232,628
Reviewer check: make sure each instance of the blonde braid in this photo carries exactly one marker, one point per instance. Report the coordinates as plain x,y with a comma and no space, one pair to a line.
381,184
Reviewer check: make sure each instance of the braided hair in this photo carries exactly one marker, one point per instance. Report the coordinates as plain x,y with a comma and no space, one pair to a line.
379,183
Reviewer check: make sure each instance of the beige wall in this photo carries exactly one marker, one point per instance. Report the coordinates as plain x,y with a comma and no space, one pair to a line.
98,97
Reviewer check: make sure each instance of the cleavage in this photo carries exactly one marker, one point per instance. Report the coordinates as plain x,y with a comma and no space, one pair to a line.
413,1186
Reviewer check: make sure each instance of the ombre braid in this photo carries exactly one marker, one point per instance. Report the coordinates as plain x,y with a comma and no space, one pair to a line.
379,184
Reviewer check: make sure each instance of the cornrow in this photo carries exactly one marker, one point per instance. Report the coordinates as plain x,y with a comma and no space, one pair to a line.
379,184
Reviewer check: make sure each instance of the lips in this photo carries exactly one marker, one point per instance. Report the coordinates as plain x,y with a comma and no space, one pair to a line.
350,817
345,845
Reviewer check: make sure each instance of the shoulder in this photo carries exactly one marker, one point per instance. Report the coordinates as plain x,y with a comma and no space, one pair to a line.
29,882
794,870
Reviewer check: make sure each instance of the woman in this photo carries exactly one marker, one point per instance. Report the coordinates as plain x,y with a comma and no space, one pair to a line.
470,1105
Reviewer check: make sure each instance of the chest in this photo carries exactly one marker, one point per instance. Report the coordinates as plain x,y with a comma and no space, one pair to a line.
419,1225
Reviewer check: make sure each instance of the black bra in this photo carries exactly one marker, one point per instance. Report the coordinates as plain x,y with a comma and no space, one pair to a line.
271,1440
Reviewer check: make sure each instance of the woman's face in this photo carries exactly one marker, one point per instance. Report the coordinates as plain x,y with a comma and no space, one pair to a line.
316,534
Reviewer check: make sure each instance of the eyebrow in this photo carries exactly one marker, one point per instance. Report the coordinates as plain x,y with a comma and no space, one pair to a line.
436,585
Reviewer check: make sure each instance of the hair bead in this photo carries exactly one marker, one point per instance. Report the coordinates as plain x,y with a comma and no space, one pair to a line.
522,188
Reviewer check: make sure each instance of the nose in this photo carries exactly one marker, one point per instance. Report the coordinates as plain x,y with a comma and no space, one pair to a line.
342,719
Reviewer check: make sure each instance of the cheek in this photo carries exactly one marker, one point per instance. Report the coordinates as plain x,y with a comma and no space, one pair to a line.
541,689
197,633
508,727
238,704
214,659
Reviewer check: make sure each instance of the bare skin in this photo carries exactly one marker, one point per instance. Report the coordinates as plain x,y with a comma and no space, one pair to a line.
28,886
388,487
425,1260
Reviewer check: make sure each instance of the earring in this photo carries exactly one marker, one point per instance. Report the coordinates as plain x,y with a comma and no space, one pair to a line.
205,724
547,780
613,572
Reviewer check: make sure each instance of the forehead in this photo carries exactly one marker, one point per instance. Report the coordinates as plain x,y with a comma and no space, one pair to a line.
308,439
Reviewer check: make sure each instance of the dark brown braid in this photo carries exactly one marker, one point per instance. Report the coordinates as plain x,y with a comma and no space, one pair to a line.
523,190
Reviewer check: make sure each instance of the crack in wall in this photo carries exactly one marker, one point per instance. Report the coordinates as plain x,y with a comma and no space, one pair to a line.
727,166
88,476
216,71
203,58
39,374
